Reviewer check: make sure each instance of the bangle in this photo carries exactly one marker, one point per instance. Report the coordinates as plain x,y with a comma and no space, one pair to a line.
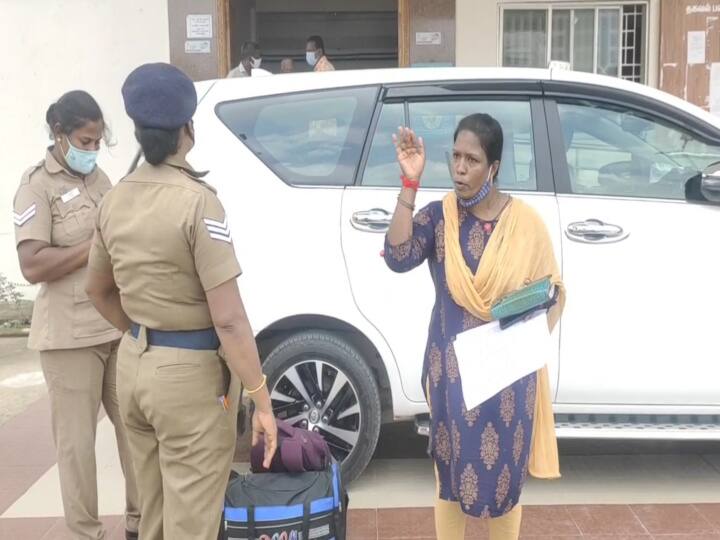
403,202
409,183
263,383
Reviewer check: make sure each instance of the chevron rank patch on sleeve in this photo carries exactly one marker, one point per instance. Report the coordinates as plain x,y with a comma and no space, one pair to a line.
24,217
218,230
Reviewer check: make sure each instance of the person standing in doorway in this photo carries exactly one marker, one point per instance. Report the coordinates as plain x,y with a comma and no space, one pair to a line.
163,270
315,54
54,214
250,62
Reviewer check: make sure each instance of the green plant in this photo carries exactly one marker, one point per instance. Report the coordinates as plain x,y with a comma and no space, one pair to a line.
8,292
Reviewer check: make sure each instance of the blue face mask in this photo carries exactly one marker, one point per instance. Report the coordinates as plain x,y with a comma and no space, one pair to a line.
480,195
82,161
311,58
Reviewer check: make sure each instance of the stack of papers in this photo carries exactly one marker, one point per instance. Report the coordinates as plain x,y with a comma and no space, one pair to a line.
490,359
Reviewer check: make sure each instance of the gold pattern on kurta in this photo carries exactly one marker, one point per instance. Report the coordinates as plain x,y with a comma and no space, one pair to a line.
435,364
489,446
440,241
507,406
453,371
503,486
468,486
442,443
476,240
518,442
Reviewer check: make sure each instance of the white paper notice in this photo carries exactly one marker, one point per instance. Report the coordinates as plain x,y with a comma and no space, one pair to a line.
199,26
197,47
715,88
428,38
695,48
490,359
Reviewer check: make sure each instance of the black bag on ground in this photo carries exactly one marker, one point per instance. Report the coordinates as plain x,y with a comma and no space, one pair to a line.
285,506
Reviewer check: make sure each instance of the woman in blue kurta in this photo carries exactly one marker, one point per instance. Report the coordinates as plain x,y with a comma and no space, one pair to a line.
481,455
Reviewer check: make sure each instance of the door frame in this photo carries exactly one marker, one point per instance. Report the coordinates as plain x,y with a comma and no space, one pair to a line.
223,36
403,33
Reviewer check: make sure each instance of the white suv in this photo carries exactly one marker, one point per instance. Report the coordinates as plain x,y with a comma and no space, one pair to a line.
621,173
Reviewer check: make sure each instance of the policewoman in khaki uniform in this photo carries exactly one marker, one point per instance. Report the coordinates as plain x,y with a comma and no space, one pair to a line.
54,214
163,270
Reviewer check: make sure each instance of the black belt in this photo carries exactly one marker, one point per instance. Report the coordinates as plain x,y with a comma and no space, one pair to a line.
196,340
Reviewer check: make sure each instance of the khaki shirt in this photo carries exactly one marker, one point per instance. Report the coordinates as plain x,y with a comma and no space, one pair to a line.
324,65
164,235
56,207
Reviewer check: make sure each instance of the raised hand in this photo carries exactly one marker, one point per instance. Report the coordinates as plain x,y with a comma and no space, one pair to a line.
410,152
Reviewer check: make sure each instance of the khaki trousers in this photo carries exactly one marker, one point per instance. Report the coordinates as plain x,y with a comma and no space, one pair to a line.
182,437
78,381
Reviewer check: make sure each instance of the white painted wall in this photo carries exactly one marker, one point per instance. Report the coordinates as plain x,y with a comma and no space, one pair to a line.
52,46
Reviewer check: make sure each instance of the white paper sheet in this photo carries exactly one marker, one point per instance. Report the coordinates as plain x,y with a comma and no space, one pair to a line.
715,88
490,359
696,47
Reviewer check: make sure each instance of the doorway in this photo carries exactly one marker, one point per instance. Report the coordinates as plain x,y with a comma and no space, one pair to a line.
357,35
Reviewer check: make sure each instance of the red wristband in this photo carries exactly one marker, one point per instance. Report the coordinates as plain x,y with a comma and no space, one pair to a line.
408,183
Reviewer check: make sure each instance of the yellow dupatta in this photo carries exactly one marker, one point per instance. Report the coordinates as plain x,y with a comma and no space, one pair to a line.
519,251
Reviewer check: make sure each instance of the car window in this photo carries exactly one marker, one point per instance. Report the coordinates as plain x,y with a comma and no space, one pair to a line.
435,122
618,152
312,138
381,168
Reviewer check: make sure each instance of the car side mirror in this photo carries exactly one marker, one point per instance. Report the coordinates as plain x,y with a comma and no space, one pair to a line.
705,187
710,183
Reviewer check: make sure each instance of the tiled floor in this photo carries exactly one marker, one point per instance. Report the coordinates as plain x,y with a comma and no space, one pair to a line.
392,500
606,522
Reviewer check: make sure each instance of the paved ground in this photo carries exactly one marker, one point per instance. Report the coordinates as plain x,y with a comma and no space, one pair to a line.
21,379
610,490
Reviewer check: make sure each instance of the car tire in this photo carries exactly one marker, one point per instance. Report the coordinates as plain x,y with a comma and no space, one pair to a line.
345,409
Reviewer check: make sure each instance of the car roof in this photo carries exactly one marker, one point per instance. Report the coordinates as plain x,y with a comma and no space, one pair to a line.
245,87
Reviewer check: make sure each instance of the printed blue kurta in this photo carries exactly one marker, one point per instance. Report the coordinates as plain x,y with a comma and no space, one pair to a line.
481,455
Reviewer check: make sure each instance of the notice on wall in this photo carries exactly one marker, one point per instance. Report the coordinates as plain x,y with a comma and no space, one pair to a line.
428,38
199,26
715,88
197,47
696,47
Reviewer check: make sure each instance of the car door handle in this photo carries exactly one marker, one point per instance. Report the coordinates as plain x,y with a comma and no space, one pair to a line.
375,220
594,231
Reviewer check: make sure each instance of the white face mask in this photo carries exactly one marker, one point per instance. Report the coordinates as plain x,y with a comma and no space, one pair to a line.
311,58
256,63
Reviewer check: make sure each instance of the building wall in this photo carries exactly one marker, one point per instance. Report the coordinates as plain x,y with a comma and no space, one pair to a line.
692,80
198,65
478,31
51,47
436,18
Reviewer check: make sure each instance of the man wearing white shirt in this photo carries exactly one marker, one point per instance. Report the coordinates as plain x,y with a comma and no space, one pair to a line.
250,61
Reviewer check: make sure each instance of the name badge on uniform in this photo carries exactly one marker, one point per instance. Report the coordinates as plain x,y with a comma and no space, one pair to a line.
70,195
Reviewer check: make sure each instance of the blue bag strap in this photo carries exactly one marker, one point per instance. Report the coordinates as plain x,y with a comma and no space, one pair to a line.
252,533
306,521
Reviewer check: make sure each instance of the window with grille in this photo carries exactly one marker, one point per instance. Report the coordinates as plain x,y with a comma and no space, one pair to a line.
608,40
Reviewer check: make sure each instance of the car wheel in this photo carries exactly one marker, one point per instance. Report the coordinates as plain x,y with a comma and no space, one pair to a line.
320,382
